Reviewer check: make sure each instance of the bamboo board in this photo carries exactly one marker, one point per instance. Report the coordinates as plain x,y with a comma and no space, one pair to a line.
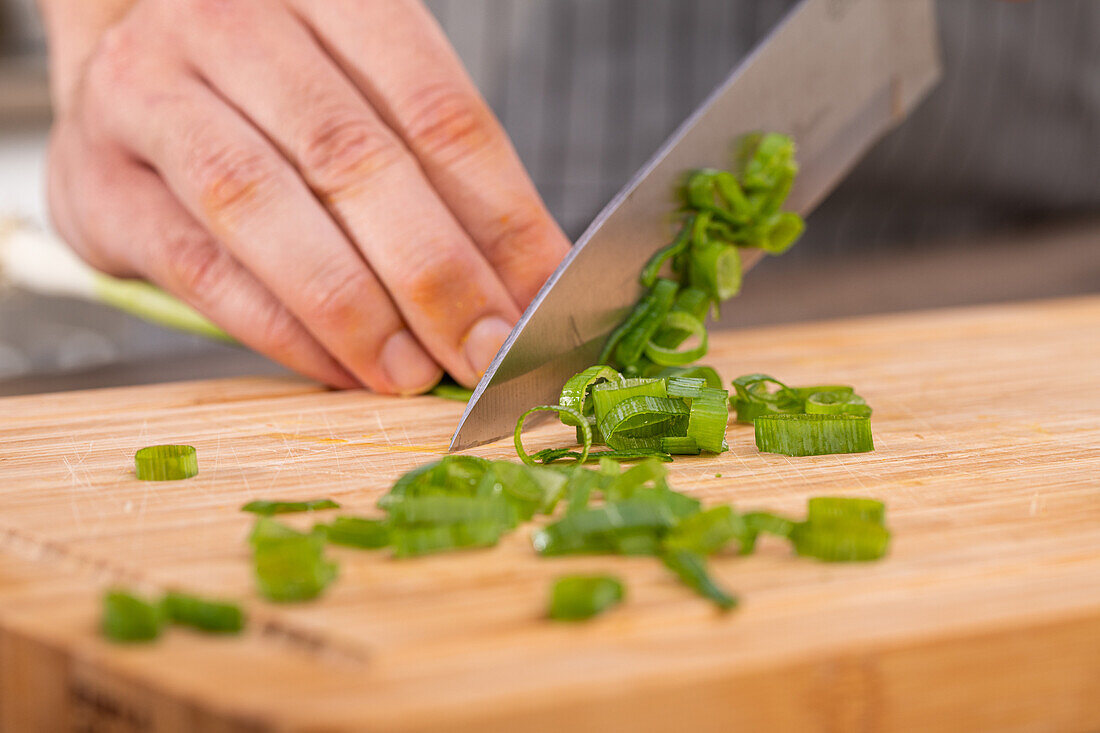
986,615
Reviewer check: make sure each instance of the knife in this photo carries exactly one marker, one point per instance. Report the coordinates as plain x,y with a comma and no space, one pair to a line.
835,75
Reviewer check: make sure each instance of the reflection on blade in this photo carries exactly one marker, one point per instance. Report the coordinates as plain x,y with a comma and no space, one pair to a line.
834,75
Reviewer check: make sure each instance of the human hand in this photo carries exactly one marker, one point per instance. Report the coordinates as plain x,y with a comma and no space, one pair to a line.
318,177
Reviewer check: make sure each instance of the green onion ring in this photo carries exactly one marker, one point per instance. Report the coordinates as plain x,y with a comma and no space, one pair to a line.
640,413
682,321
586,431
575,393
166,463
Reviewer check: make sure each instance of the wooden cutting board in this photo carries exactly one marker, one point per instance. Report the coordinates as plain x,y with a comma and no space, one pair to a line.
985,616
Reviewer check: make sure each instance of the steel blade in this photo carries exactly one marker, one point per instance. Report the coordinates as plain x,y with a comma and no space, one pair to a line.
835,75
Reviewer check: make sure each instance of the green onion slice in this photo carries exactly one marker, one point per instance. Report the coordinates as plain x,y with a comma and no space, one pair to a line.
716,268
221,617
708,532
424,540
643,417
837,403
829,508
652,269
691,568
813,435
707,419
839,540
679,321
680,445
706,373
452,391
586,431
454,510
368,534
289,565
268,508
764,388
578,597
658,303
769,523
127,618
166,463
550,455
576,394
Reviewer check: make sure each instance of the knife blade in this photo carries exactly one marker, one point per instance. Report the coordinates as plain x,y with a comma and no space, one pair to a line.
835,75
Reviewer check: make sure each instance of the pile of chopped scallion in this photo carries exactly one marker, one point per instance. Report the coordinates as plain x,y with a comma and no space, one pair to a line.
645,401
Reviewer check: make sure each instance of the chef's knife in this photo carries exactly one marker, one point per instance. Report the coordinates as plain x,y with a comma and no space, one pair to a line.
835,75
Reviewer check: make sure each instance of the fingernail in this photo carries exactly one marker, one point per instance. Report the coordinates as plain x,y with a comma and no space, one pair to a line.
484,340
408,366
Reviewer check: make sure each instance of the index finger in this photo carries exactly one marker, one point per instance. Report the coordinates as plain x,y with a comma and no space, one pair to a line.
413,78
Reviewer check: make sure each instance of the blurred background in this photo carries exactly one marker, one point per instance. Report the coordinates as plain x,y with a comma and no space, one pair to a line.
989,192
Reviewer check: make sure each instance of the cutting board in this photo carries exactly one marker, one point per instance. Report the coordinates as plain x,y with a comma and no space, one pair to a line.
985,615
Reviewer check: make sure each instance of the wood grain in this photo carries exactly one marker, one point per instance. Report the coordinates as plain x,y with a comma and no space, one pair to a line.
986,615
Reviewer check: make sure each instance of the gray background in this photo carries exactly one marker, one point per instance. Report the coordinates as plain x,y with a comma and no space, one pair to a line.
988,192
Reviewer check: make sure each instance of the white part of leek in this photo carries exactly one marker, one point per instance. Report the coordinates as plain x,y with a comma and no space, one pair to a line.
38,262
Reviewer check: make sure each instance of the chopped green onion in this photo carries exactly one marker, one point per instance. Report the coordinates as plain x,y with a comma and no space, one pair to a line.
840,390
840,540
595,530
586,431
691,568
679,321
766,522
578,597
550,455
452,391
706,373
759,394
127,617
769,523
289,565
837,403
368,534
813,435
657,305
454,510
652,269
707,420
708,532
828,508
166,463
220,617
605,396
536,487
680,445
268,508
423,540
716,268
641,417
576,394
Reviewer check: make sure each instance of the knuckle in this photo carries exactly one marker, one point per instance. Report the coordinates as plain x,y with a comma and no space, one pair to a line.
334,300
447,123
112,64
517,237
342,150
278,331
195,265
229,178
433,281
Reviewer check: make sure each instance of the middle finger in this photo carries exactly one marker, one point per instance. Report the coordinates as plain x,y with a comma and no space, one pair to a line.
443,285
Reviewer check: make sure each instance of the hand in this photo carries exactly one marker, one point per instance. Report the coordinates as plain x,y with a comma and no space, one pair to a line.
319,177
